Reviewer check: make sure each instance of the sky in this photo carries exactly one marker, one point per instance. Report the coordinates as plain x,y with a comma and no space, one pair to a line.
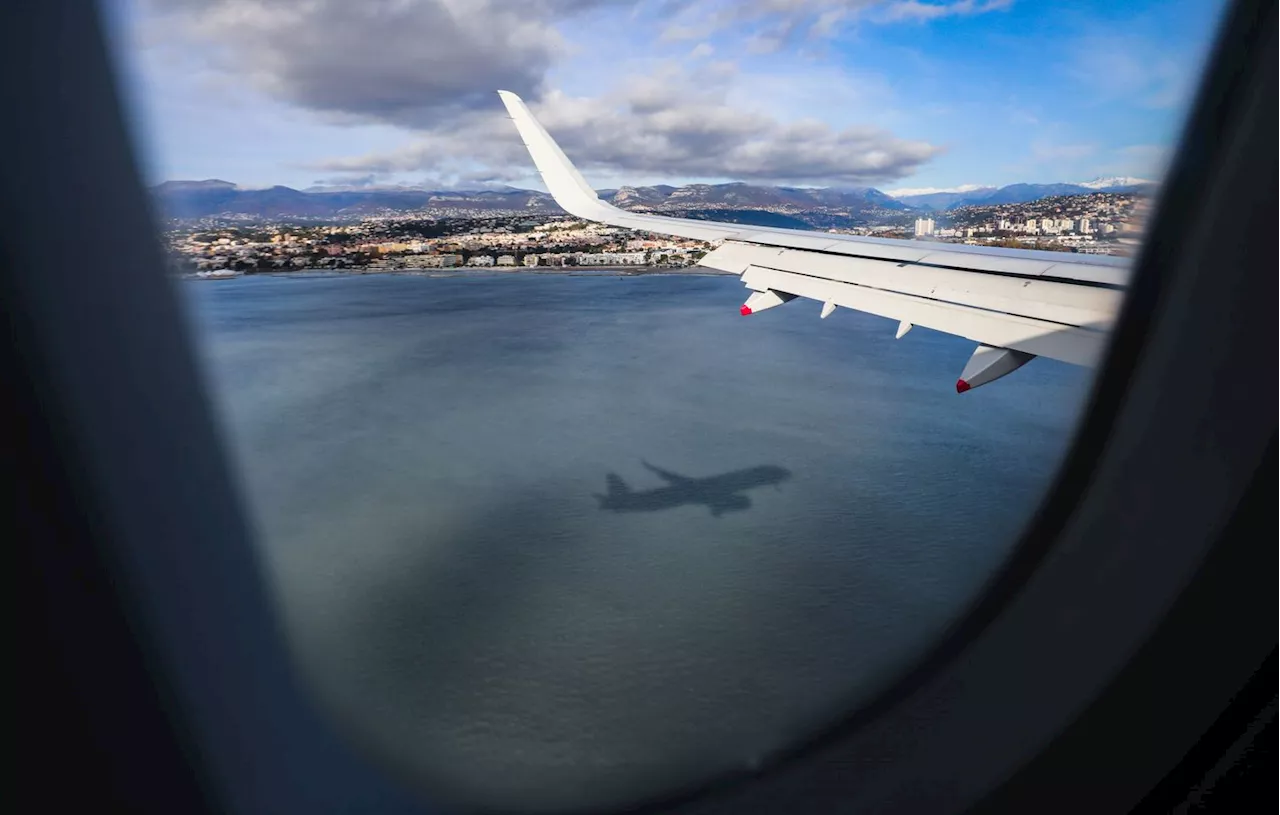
903,95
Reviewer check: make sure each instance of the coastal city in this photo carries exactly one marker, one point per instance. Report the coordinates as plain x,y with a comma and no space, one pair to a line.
1100,223
411,244
428,241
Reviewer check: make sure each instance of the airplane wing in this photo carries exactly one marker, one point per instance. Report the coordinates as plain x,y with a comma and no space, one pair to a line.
616,485
666,475
1016,304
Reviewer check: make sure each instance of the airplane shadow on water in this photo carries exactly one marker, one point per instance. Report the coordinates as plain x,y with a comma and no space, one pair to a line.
718,493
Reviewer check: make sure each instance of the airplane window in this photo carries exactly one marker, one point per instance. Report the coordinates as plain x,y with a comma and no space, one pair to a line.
629,427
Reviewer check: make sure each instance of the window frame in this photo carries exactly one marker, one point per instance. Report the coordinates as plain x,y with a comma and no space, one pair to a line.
104,367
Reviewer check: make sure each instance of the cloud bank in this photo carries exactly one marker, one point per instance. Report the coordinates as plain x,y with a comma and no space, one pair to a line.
431,68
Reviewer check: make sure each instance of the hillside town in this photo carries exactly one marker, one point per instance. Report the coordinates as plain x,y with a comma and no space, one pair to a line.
410,243
1098,223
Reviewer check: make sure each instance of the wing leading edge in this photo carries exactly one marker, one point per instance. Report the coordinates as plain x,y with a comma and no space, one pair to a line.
1016,304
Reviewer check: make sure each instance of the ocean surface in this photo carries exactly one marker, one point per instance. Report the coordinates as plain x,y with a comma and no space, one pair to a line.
428,463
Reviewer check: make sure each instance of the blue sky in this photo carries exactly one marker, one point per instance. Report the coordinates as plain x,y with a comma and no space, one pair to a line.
899,94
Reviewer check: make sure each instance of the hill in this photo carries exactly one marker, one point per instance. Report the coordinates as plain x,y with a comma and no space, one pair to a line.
200,199
828,206
1023,193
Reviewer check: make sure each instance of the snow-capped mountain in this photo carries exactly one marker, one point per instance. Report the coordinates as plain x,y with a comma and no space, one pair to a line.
1113,182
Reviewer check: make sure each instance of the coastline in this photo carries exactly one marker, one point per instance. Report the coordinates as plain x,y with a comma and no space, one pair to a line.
565,271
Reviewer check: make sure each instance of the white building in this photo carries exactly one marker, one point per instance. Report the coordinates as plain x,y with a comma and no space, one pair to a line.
480,260
506,260
924,226
1085,227
610,258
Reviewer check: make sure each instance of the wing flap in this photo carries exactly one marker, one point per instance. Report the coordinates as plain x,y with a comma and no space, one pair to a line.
1038,298
1073,344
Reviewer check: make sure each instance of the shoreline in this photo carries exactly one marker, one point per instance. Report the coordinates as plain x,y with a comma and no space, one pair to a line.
562,271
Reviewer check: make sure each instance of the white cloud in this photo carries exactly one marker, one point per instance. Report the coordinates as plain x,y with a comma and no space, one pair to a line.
430,67
904,192
1054,161
1117,67
677,33
1148,158
828,23
1137,160
1043,151
669,123
407,62
922,12
765,26
1020,116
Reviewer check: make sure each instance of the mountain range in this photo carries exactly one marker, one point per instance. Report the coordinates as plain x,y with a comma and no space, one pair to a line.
1022,193
214,197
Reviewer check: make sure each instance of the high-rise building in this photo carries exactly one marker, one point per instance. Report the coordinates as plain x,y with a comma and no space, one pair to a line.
924,226
1085,227
1031,224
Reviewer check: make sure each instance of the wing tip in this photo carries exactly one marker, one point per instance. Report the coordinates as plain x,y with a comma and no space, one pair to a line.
512,102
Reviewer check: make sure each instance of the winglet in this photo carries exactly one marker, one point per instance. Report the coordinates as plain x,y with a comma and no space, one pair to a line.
575,195
566,184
